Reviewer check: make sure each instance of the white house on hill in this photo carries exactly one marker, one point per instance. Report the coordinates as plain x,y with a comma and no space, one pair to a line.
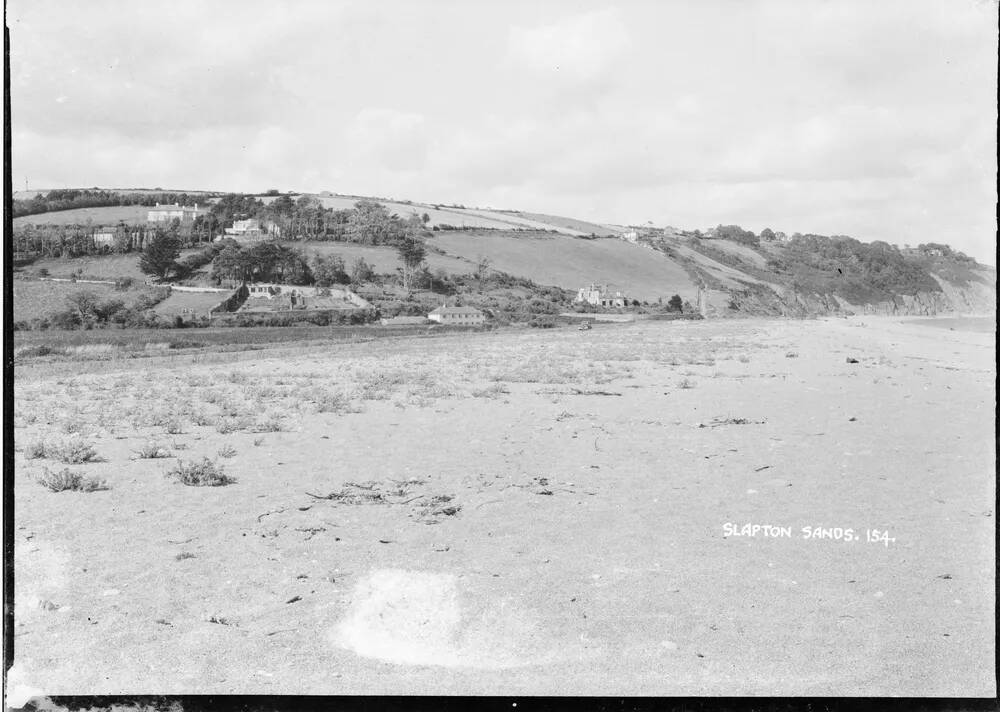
104,237
166,213
252,230
457,316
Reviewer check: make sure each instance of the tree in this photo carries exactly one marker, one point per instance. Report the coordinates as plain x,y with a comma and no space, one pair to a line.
84,303
329,270
159,258
412,252
425,218
676,303
123,241
767,234
482,270
371,224
308,216
362,272
229,263
736,234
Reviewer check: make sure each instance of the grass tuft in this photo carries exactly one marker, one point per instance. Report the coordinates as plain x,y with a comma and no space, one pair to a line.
35,450
74,481
152,450
333,403
72,452
205,473
494,391
270,424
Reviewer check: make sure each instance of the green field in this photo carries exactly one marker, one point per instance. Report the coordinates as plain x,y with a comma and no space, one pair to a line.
558,222
741,252
442,216
572,263
510,220
110,267
122,346
383,259
729,276
199,302
475,217
34,299
111,215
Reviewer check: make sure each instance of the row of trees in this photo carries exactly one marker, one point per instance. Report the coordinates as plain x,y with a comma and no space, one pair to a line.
852,268
271,262
306,218
56,200
34,241
367,223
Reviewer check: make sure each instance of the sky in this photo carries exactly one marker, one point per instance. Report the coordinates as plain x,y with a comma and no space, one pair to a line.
875,120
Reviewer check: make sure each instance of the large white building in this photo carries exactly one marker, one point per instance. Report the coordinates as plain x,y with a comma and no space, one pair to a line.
166,213
252,230
457,316
104,236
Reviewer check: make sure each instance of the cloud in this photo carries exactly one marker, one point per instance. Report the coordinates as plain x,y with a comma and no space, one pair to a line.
874,120
581,49
394,140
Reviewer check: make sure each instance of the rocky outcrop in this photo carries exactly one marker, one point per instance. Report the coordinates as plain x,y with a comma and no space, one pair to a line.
971,298
974,297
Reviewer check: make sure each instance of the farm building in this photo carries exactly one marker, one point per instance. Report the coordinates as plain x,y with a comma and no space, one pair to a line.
457,316
166,213
252,230
104,237
601,296
280,297
404,321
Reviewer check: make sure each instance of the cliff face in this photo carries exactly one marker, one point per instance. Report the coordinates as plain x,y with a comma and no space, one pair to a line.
971,298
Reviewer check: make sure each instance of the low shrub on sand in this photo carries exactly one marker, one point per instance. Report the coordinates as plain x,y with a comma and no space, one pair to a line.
35,450
73,451
205,473
152,450
66,480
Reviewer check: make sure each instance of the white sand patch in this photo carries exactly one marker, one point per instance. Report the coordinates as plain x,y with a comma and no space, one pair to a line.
418,618
19,692
41,572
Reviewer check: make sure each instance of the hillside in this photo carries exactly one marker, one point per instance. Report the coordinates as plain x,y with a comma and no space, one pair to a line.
572,263
815,275
441,216
810,274
580,226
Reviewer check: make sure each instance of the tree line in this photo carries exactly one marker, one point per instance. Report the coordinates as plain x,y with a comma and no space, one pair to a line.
305,218
71,199
270,261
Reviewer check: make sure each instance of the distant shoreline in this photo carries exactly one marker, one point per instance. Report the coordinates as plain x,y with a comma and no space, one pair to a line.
978,324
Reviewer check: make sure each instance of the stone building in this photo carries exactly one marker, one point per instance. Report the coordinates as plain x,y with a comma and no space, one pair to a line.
600,295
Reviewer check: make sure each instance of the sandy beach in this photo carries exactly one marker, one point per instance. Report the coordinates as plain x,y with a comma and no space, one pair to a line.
546,512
